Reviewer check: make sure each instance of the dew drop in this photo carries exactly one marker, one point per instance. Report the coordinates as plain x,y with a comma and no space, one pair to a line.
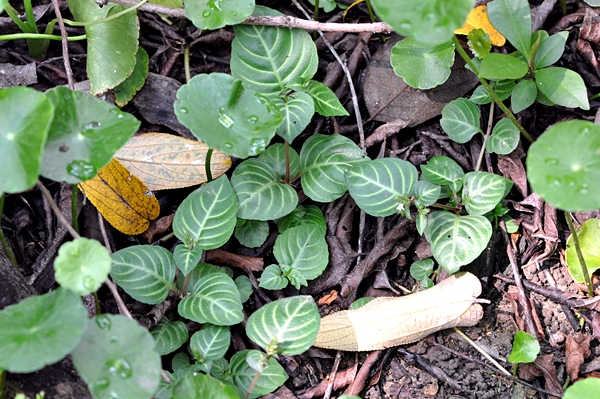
257,146
118,52
570,181
103,322
91,128
89,283
252,119
228,145
234,13
114,71
183,110
206,13
405,26
114,395
585,131
81,170
553,181
225,119
102,383
551,161
583,189
114,339
119,368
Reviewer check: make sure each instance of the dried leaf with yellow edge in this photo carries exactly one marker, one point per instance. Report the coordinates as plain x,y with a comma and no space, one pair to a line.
478,19
164,161
123,199
390,321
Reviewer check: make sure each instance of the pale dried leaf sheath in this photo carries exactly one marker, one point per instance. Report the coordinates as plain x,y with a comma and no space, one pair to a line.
385,322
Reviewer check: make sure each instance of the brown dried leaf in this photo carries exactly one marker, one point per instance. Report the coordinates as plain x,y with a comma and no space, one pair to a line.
327,299
577,349
158,226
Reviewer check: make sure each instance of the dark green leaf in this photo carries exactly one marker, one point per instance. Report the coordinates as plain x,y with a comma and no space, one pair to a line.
562,87
303,215
186,259
275,156
460,120
297,111
523,95
303,248
215,14
210,343
272,278
202,386
550,50
425,193
125,91
503,89
251,233
482,191
242,375
421,269
504,139
512,18
442,170
169,335
244,287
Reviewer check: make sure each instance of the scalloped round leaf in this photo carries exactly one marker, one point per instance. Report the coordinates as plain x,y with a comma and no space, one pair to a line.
186,259
297,111
303,248
562,87
291,324
251,233
116,358
84,135
215,14
457,240
169,335
563,166
326,102
442,170
512,18
324,160
272,278
525,348
589,237
145,272
259,193
303,214
460,120
242,375
26,116
421,269
504,139
226,116
82,265
212,299
206,218
377,186
40,330
210,343
479,43
422,66
425,193
482,191
274,155
125,91
202,386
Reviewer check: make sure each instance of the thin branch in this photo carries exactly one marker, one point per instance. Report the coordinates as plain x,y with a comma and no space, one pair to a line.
120,304
65,45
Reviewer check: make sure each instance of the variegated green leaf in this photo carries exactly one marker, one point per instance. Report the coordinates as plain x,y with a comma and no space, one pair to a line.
169,335
297,111
251,233
186,259
242,375
482,191
504,138
460,120
275,156
304,249
272,278
210,343
326,103
443,171
425,193
303,215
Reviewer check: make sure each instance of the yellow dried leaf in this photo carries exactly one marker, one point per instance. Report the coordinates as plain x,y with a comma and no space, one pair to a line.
385,322
478,19
123,199
164,161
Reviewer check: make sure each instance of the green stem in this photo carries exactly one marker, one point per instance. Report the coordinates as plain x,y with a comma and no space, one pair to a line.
287,162
186,62
315,34
584,269
101,21
207,165
41,36
489,89
372,17
486,136
7,249
74,193
14,15
563,7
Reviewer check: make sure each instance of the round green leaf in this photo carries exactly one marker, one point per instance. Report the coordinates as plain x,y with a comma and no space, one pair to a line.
524,94
456,240
213,299
504,138
215,14
223,114
85,134
324,160
26,116
275,156
377,186
563,87
304,249
482,191
502,66
206,218
242,375
186,259
588,388
82,265
251,233
202,386
425,193
421,269
428,21
479,43
259,193
272,278
303,215
291,324
145,272
210,343
589,237
40,330
297,111
326,102
525,348
512,18
460,120
169,335
422,66
563,166
116,358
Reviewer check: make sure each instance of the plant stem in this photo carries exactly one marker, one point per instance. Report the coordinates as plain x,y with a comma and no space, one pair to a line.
101,21
316,18
478,349
40,36
7,249
186,62
489,89
486,136
207,165
74,193
582,264
372,18
253,384
287,162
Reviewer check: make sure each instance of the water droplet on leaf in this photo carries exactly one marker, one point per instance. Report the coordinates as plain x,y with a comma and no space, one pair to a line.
234,13
89,283
206,13
103,322
570,181
252,119
91,128
214,4
119,368
584,132
225,119
183,110
553,181
583,189
102,383
551,161
228,145
81,170
257,146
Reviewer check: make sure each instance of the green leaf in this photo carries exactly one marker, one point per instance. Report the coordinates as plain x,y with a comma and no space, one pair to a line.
145,272
291,324
259,193
168,3
460,120
267,58
275,156
504,139
360,302
242,375
82,265
210,343
169,335
117,358
26,116
457,240
3,4
422,66
525,348
297,111
422,221
443,171
84,136
324,160
550,50
206,218
272,278
512,18
215,14
421,269
308,214
563,166
244,287
201,270
111,46
326,102
502,66
40,330
589,237
479,43
125,91
251,233
503,89
303,248
589,387
378,185
429,21
563,87
326,5
482,191
227,116
213,299
186,259
425,193
202,386
523,95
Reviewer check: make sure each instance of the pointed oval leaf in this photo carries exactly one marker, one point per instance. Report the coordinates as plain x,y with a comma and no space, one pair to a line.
504,139
210,343
244,286
169,335
512,18
308,214
377,186
297,111
550,50
562,87
442,170
206,218
482,191
259,193
588,235
145,272
242,375
457,240
502,66
117,358
425,193
186,258
523,95
460,120
251,233
125,91
40,330
26,116
215,14
503,89
326,102
272,278
324,160
275,156
304,249
202,386
213,299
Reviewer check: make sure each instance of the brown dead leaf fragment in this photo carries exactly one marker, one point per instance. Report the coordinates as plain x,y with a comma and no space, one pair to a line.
577,349
327,299
158,226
